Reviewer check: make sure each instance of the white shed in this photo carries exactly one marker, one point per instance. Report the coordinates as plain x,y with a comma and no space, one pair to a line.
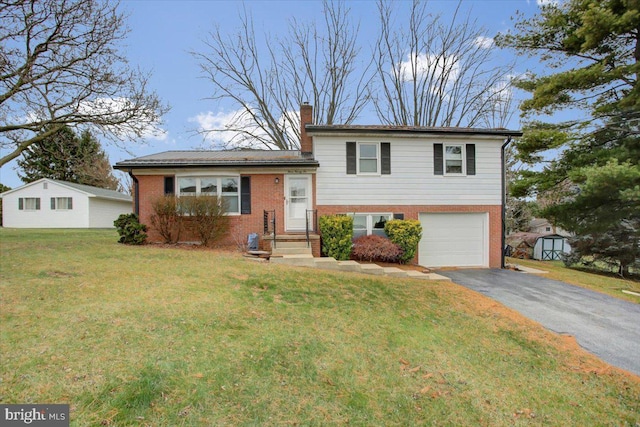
550,247
49,203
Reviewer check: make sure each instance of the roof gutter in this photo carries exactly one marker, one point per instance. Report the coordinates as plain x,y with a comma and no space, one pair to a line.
136,192
504,200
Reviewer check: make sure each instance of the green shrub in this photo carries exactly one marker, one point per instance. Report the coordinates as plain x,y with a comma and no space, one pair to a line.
166,218
405,233
375,248
207,215
131,231
337,232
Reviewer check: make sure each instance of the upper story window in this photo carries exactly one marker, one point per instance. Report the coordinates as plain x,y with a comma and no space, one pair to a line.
61,203
453,156
225,187
368,158
454,159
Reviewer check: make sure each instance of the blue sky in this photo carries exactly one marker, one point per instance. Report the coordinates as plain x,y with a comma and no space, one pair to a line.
164,32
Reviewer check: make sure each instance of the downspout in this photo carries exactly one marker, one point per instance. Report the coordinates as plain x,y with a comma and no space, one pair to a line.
504,200
136,192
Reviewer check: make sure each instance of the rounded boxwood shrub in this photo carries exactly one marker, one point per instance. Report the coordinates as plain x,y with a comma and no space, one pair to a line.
405,233
131,231
337,232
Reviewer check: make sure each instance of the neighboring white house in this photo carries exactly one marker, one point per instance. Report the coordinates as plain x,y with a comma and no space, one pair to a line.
49,203
544,226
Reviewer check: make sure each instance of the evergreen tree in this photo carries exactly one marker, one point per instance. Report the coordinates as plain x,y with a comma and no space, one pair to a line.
594,47
67,157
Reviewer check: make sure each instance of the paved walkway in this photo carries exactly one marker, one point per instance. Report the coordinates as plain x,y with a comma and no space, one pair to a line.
603,325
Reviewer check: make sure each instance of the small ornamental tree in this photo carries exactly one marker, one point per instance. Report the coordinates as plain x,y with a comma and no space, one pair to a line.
405,233
337,232
207,214
166,219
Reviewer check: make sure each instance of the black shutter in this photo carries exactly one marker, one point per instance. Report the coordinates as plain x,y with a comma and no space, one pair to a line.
70,205
38,204
169,185
351,158
53,203
385,149
471,159
245,195
398,216
20,204
438,160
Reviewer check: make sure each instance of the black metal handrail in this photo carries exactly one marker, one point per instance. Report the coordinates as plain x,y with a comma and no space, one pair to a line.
269,223
311,225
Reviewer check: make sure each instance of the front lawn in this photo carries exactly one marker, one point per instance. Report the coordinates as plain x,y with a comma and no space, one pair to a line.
155,336
601,282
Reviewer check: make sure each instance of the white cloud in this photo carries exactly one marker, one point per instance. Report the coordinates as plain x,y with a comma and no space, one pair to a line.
222,129
428,66
543,3
483,42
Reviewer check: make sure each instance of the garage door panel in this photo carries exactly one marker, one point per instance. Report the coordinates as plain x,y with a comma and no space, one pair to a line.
454,239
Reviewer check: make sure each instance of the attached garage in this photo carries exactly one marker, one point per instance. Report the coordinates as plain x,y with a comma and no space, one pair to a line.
454,240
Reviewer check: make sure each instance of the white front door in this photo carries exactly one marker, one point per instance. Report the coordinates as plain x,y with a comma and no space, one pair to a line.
298,199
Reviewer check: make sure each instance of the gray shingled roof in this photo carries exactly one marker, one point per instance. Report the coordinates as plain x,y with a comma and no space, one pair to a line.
96,191
219,158
409,130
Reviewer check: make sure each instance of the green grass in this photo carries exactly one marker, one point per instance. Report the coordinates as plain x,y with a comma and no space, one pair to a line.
170,337
597,281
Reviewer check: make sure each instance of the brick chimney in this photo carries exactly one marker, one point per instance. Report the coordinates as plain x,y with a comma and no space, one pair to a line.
306,117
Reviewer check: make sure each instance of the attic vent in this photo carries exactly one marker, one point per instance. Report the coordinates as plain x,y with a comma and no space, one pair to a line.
45,185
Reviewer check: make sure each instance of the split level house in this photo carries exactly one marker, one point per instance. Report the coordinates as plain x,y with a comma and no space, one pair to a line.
450,179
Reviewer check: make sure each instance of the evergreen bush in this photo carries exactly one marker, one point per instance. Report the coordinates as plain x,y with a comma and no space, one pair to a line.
337,232
405,233
131,231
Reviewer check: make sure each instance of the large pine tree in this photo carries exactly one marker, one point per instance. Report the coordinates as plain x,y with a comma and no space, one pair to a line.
68,157
593,50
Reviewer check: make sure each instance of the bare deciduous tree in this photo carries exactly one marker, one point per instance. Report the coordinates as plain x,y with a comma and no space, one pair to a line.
433,73
267,84
60,65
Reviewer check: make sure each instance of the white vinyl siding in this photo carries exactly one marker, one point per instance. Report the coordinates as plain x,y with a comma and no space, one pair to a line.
83,210
412,181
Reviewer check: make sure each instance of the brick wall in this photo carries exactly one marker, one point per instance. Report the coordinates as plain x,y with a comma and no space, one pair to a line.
412,212
266,194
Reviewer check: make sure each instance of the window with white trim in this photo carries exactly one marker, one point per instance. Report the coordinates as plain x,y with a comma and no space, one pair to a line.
29,203
61,203
368,158
225,187
365,224
454,159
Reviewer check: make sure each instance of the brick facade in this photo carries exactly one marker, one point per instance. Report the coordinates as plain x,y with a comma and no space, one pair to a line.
413,212
266,194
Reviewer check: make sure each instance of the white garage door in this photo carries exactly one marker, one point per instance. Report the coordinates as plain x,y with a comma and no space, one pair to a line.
454,240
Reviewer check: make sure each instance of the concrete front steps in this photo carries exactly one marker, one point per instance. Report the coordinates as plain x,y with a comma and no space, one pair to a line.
327,263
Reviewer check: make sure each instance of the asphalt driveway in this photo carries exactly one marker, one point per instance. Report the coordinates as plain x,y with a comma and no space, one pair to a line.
603,325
